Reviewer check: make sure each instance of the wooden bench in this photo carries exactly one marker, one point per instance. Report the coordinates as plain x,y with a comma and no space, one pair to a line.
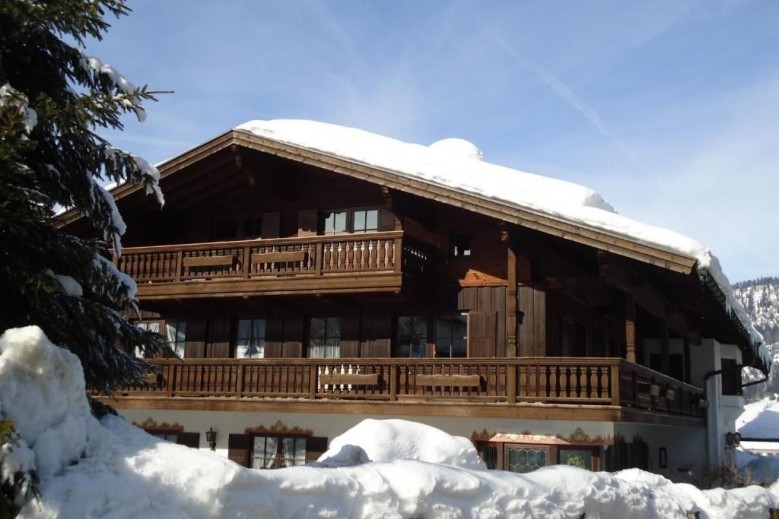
355,379
461,381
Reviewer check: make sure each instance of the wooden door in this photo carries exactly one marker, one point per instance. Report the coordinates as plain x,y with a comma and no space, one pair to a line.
482,331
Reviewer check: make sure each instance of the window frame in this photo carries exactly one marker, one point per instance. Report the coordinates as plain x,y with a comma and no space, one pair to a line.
279,460
329,335
350,227
251,338
397,345
450,319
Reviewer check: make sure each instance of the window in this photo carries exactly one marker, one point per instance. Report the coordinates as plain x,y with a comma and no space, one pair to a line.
250,339
355,221
171,437
451,334
335,222
731,377
252,228
324,339
576,457
275,452
523,459
365,220
459,246
149,326
412,337
176,333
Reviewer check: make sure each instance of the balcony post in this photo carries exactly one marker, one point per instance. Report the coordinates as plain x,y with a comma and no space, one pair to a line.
397,254
511,382
312,381
614,375
239,382
179,261
319,258
393,382
171,372
247,259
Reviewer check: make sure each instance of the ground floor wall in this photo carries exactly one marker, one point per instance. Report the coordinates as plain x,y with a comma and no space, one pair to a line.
504,443
678,453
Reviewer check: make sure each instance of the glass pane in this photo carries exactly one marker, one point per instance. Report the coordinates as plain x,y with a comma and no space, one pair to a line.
271,449
334,327
333,348
316,348
358,221
581,458
372,220
525,459
340,221
300,451
317,327
244,329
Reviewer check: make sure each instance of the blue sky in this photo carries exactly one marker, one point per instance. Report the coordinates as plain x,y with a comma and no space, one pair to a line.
670,109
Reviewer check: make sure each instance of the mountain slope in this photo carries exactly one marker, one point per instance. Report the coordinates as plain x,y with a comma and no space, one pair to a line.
760,297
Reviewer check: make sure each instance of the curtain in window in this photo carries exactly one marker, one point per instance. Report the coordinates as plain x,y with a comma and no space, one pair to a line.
251,339
176,334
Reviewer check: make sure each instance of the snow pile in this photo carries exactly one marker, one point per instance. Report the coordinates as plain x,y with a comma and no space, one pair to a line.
760,419
759,460
458,164
110,468
42,390
387,440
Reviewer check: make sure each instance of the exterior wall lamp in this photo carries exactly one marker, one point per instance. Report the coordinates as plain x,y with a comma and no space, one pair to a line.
211,438
732,439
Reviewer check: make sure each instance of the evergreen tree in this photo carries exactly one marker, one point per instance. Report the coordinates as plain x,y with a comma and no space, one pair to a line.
54,101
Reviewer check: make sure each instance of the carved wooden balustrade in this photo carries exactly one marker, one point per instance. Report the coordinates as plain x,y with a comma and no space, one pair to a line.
315,255
592,381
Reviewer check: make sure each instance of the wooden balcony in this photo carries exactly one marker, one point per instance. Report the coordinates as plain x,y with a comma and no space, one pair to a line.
317,264
507,383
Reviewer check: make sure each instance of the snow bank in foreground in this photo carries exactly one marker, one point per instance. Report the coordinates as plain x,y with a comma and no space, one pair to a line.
109,468
42,389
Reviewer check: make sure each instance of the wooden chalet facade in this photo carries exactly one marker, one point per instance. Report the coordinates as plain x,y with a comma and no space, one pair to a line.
305,291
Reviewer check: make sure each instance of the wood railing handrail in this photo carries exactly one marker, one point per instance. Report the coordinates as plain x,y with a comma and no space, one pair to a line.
260,241
590,380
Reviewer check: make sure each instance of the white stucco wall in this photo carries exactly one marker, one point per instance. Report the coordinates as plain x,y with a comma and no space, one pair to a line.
332,425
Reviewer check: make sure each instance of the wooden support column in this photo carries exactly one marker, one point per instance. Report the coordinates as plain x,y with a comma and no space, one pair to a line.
664,342
511,296
630,329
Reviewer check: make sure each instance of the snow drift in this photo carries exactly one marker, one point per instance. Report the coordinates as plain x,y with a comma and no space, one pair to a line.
110,468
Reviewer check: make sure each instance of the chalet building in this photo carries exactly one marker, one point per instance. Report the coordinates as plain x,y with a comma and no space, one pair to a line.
311,276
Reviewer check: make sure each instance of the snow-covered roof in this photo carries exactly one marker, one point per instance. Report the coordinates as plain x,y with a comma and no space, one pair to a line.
459,165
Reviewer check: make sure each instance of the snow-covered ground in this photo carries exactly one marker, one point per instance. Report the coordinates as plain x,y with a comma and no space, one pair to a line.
392,468
759,460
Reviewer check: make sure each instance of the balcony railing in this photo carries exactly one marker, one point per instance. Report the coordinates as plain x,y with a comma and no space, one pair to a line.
310,256
594,381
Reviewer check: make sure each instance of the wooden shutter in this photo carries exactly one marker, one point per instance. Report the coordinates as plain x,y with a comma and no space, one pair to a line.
219,339
350,336
293,336
532,331
308,222
195,345
190,439
387,221
274,337
481,334
376,336
270,225
315,447
238,447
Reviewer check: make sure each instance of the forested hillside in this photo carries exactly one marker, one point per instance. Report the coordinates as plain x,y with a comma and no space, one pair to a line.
760,297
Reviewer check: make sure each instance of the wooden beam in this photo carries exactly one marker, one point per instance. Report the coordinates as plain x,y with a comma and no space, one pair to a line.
617,273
